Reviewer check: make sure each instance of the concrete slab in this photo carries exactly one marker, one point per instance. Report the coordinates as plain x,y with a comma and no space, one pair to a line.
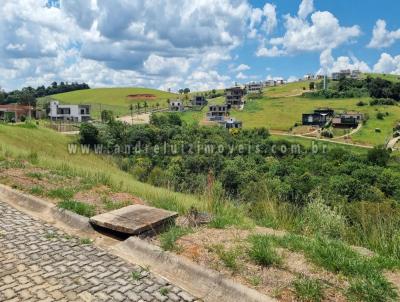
134,219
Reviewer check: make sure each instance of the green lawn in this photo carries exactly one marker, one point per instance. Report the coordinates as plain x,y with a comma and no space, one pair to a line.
290,89
112,98
389,77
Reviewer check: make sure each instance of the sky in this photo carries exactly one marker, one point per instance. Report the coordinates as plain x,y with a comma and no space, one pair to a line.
200,44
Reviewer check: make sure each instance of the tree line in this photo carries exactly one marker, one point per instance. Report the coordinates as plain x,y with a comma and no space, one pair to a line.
244,174
28,95
376,88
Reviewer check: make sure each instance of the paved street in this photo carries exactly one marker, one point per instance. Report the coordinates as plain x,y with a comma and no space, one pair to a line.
40,263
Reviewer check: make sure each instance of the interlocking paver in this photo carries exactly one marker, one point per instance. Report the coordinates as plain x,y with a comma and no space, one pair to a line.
40,263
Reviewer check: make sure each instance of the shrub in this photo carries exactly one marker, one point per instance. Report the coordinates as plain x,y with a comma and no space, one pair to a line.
88,134
388,102
263,252
307,289
320,219
77,207
380,116
327,133
361,103
379,155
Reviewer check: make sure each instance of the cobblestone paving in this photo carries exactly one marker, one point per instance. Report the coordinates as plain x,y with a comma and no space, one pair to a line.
40,263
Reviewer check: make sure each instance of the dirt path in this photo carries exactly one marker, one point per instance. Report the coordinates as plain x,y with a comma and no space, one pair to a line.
350,133
392,143
280,133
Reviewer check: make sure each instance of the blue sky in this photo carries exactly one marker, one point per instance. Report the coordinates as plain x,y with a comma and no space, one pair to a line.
197,44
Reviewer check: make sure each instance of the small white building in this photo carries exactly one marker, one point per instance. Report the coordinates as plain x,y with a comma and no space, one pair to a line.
232,123
176,106
74,113
254,87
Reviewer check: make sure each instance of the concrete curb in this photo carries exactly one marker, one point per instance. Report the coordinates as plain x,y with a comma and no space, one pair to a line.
202,282
40,206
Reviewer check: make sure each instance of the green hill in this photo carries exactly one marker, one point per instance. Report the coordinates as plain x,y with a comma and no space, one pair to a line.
115,99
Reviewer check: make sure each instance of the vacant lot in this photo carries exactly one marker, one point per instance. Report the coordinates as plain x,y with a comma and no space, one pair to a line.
115,99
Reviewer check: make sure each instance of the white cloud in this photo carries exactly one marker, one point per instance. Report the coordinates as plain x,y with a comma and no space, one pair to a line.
146,42
264,19
274,51
241,76
165,66
292,79
381,37
306,7
388,64
271,21
329,64
322,32
241,67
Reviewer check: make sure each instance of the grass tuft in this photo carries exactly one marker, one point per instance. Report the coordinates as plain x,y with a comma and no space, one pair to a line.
78,207
262,251
168,239
62,193
308,290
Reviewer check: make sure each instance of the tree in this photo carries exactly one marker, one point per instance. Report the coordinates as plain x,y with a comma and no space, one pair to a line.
88,134
138,107
186,90
379,156
131,110
107,116
145,105
312,85
180,91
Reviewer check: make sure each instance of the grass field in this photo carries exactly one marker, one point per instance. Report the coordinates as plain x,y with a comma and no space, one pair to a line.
51,150
389,77
113,98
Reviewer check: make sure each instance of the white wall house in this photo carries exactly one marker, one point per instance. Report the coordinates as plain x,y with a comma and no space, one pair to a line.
74,113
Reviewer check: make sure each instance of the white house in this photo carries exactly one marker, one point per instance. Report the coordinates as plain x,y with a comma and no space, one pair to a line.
254,87
176,105
75,113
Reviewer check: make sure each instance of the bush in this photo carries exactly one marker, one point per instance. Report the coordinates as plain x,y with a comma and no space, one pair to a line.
89,134
361,103
378,102
320,219
379,156
380,116
327,133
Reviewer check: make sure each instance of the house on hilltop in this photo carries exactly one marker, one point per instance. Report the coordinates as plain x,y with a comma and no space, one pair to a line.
199,100
176,105
254,88
217,113
232,123
347,120
234,97
318,118
73,113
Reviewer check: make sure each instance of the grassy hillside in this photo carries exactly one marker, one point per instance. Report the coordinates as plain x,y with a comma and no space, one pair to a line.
282,106
115,99
389,77
50,151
